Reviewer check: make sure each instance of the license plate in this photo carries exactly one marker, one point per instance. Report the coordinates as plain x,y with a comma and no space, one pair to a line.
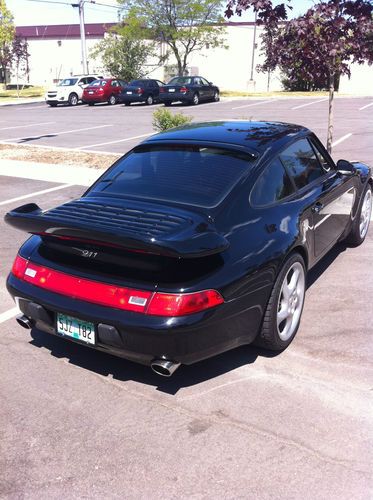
128,92
90,91
171,90
76,328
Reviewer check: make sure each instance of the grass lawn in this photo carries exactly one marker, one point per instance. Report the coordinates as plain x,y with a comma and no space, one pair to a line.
11,95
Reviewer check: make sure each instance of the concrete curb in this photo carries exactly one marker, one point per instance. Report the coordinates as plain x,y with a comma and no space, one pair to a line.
29,100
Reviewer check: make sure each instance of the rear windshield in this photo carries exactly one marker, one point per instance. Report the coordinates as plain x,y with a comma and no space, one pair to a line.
135,83
98,83
180,80
194,175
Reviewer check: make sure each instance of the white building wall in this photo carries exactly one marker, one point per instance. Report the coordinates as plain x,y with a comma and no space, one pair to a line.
361,81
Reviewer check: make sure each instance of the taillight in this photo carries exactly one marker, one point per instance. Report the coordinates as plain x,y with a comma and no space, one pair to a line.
184,90
19,267
101,90
161,90
140,91
128,299
172,304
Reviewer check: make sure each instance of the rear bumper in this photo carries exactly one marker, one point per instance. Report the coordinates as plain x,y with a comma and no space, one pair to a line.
142,338
176,96
132,98
94,98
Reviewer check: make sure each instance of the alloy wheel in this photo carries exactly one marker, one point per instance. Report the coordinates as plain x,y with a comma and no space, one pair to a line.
290,301
366,212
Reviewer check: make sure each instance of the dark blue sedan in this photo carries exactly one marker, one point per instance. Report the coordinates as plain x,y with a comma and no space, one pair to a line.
189,90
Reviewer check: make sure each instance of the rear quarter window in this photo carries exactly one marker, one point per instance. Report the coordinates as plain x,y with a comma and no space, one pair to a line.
272,185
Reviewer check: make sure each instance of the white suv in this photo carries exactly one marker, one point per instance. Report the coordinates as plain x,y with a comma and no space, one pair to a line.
69,90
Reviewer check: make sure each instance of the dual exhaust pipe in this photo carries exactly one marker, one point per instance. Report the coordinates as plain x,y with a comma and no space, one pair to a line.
163,367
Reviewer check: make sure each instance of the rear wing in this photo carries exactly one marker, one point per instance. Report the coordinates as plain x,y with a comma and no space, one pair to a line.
176,233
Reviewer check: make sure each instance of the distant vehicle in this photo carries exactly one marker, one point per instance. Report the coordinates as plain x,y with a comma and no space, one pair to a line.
145,90
103,90
196,241
189,90
69,90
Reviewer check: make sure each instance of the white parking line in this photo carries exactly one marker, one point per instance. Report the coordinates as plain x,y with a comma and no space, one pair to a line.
36,193
9,314
56,133
366,106
254,104
24,126
115,142
309,103
335,143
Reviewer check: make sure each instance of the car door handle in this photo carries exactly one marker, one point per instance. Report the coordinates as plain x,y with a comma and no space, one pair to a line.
317,208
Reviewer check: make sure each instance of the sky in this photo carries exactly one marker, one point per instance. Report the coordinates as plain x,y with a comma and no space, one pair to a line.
32,12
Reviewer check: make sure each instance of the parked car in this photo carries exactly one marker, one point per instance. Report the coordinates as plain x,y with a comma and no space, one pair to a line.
196,241
103,90
145,90
69,90
189,90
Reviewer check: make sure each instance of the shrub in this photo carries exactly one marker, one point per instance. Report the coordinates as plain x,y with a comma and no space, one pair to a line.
163,119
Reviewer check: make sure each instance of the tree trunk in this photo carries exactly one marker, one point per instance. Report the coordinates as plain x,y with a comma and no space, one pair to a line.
329,141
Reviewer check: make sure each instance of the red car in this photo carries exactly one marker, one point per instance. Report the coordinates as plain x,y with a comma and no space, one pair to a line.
103,90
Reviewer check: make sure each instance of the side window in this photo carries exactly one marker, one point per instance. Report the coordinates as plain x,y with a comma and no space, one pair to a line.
272,185
204,82
301,163
160,84
324,161
197,81
90,79
83,81
114,83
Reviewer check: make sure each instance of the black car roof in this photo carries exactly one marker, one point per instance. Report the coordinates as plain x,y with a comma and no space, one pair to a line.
258,136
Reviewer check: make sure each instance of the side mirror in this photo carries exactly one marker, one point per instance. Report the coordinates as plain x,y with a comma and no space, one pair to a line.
344,167
211,83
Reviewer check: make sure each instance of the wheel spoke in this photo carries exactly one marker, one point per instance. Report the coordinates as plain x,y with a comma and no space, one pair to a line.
282,314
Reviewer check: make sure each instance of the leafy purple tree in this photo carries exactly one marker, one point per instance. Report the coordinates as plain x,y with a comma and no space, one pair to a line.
322,43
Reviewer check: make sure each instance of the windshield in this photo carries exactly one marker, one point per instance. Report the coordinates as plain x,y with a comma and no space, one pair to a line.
180,80
67,82
194,175
98,83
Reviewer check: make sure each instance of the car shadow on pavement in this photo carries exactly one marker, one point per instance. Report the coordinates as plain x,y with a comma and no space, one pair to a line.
120,369
186,376
314,274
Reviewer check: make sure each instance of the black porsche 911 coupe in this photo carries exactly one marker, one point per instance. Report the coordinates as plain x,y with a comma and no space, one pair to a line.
196,241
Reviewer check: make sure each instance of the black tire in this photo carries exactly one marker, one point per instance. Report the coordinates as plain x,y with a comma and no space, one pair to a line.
195,99
112,100
53,104
269,336
91,104
167,103
127,104
216,97
356,237
73,99
149,101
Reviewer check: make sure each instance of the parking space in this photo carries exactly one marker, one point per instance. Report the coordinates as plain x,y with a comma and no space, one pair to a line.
118,128
242,425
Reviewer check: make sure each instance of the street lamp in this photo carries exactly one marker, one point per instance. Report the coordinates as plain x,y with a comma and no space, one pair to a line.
80,5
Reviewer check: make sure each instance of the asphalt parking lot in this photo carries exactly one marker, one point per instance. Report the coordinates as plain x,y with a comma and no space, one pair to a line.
76,423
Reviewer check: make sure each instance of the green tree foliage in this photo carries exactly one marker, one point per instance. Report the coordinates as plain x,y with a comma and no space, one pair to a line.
185,26
124,52
7,33
163,119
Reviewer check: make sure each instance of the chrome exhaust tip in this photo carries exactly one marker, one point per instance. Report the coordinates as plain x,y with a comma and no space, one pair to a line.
164,367
24,321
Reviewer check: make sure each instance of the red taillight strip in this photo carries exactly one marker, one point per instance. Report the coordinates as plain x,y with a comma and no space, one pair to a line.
128,299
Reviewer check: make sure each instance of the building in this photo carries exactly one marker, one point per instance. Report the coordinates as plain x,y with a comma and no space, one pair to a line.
55,53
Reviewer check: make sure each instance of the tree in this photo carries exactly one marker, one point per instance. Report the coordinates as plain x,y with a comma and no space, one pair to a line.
322,43
7,33
124,52
20,57
185,26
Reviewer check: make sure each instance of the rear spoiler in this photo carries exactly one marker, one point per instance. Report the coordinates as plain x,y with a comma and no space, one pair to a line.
164,234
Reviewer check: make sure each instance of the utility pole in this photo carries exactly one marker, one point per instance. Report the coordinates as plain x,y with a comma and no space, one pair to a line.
254,47
80,5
